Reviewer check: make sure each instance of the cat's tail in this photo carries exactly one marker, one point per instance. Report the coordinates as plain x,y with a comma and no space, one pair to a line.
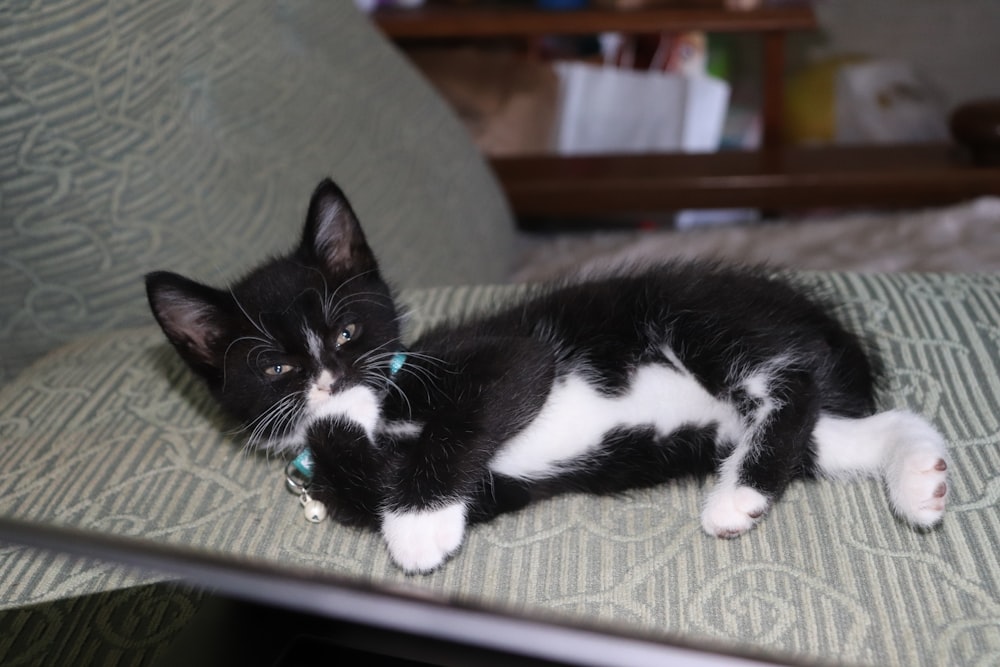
900,447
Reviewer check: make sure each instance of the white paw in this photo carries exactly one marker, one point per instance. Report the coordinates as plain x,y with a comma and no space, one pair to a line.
730,512
420,541
918,486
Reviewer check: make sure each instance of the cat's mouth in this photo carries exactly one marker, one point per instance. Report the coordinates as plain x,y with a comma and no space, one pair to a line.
326,385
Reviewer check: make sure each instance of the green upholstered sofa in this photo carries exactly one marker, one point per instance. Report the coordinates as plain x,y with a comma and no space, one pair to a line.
188,136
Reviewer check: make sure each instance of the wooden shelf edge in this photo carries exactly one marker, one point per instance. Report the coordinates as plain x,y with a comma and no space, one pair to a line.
478,21
779,179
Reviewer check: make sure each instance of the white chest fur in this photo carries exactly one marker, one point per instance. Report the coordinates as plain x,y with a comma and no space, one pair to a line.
576,416
358,404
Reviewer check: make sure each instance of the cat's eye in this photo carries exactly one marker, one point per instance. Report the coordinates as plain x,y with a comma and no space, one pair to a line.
347,334
274,370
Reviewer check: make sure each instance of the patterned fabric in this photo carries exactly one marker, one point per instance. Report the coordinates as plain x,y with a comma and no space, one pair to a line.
113,434
188,135
124,628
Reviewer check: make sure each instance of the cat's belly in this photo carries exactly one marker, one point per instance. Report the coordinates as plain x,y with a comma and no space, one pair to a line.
576,416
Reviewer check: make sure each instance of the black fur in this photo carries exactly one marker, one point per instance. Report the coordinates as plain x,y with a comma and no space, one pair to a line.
491,376
468,387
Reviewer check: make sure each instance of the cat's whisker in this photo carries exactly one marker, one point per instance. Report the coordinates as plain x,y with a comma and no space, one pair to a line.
225,355
402,314
380,349
290,420
333,309
277,422
256,353
307,290
347,302
378,353
424,377
256,324
374,375
326,287
437,362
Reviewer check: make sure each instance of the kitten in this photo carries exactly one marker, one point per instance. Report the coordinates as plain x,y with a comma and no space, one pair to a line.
599,386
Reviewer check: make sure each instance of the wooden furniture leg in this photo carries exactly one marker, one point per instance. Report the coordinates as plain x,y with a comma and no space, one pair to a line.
774,88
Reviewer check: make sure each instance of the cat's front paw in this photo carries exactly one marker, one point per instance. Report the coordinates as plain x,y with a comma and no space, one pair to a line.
730,512
421,540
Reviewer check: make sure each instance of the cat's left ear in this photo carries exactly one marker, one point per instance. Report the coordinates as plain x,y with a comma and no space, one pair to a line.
333,234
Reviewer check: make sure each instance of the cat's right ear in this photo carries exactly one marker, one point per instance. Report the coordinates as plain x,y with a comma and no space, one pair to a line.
333,234
191,315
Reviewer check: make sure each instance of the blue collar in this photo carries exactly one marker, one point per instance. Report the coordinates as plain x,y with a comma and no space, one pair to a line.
396,363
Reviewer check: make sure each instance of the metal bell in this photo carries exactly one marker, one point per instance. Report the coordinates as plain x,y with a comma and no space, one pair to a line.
314,510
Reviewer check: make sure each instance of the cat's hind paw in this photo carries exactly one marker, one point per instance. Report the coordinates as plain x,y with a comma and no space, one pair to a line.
916,471
421,540
918,487
730,512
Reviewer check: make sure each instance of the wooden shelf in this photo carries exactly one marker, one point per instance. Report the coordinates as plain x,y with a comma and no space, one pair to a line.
488,19
513,20
777,179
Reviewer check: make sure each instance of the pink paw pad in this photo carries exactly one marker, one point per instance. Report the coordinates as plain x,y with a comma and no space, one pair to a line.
920,489
729,513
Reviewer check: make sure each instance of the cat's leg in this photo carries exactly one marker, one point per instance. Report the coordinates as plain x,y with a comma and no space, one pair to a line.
349,471
444,470
432,497
899,446
419,540
778,411
499,494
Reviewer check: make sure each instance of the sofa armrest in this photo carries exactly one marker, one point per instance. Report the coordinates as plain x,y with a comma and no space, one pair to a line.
188,137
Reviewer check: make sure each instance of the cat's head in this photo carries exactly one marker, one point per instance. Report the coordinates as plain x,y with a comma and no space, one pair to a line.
298,336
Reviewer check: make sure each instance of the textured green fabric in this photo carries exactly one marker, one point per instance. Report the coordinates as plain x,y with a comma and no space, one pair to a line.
113,434
189,135
123,628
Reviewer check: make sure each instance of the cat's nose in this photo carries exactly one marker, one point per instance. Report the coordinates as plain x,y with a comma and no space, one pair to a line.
328,381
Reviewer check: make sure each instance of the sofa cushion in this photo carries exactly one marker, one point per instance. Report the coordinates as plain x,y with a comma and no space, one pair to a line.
121,627
189,136
113,434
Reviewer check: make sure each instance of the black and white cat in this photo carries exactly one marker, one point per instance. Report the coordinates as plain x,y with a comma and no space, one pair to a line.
598,386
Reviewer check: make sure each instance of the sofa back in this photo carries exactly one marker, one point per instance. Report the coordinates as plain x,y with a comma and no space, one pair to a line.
188,136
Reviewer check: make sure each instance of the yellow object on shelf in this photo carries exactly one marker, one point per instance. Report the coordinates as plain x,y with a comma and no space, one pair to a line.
810,100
